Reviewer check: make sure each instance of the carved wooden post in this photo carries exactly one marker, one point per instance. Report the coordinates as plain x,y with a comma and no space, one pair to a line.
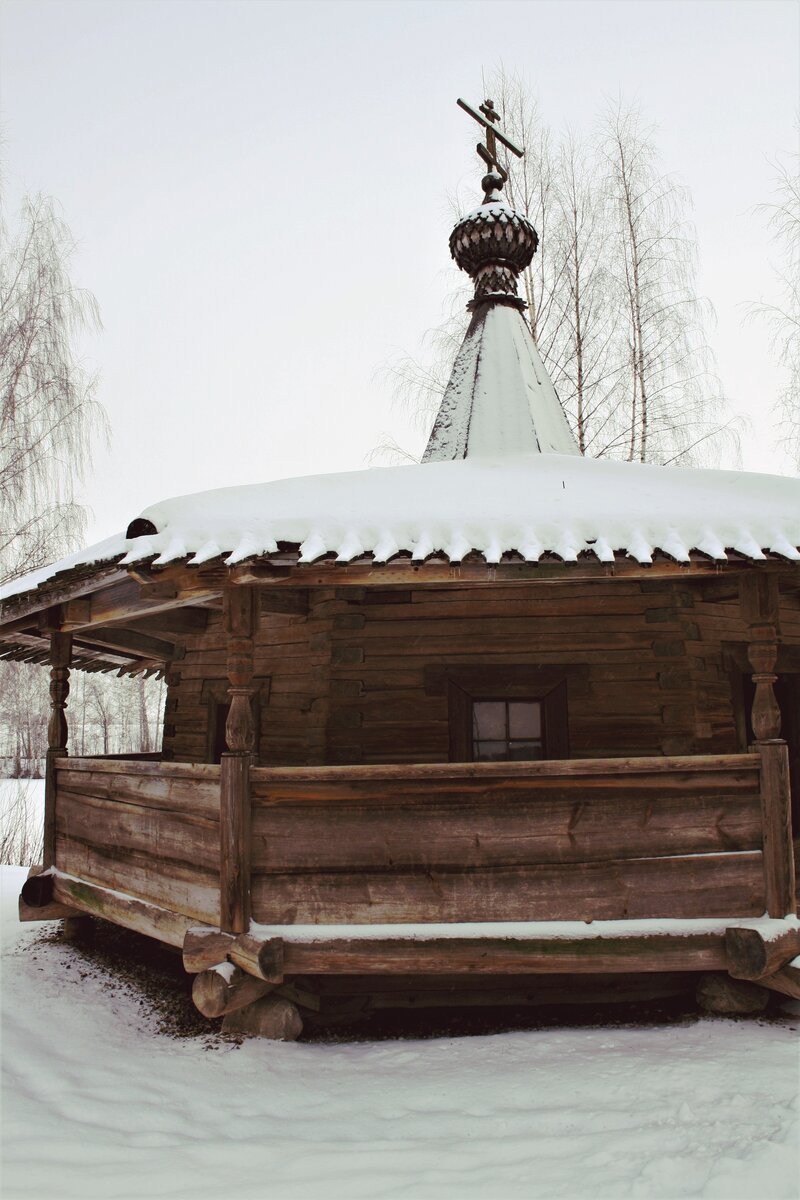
760,604
240,735
60,658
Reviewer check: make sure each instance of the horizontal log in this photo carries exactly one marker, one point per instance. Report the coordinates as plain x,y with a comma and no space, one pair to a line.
183,888
194,797
42,912
442,956
131,913
262,957
708,885
751,955
37,890
225,988
786,981
131,766
693,765
117,827
204,947
510,826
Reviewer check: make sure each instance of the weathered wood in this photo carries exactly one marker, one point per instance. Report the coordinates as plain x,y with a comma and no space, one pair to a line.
194,797
262,957
204,947
225,988
776,811
139,915
272,1017
492,955
46,912
719,993
751,955
179,887
504,824
707,885
235,842
240,622
593,768
37,890
110,764
118,827
786,981
57,733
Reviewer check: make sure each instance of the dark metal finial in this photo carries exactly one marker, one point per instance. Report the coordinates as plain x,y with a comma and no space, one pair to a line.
488,116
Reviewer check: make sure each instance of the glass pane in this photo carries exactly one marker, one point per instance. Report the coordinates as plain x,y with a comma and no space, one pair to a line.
525,719
490,751
524,751
489,719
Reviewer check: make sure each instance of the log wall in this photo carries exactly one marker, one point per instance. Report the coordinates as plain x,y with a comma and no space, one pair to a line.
551,841
348,683
147,829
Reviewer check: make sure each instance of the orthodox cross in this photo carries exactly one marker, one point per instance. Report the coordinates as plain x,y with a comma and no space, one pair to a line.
488,116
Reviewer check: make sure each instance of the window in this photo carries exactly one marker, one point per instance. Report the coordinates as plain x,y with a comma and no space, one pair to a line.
507,730
500,713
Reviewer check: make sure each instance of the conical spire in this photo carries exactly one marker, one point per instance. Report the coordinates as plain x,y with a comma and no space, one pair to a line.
500,400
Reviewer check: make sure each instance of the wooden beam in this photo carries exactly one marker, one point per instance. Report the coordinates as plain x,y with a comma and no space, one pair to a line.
137,645
751,955
204,947
284,570
593,768
234,786
60,658
262,957
786,981
776,817
139,915
235,800
492,955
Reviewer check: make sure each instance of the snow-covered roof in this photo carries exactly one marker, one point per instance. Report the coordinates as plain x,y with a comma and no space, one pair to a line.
534,505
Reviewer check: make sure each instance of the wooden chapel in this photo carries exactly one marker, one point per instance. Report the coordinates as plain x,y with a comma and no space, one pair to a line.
504,720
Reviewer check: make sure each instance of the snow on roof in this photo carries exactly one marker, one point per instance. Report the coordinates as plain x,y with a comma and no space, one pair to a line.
533,504
97,555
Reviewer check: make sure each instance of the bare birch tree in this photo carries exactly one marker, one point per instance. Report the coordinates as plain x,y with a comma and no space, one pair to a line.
674,398
49,415
783,316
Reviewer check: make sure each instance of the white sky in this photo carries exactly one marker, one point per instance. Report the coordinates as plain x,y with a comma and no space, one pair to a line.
259,195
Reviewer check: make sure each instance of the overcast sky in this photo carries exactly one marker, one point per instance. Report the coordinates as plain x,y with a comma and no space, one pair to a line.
259,193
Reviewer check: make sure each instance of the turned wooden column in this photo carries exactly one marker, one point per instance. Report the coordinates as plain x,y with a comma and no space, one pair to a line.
760,604
240,736
60,658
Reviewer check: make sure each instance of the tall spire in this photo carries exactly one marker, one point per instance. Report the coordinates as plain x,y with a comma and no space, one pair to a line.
500,400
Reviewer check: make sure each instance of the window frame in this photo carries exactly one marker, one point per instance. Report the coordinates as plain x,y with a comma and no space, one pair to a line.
463,685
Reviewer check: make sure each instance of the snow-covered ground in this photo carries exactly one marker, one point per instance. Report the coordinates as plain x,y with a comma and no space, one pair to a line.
97,1103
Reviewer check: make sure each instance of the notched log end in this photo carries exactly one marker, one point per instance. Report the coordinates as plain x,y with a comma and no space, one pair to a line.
37,891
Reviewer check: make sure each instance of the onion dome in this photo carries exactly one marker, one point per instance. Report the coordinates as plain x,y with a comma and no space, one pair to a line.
493,244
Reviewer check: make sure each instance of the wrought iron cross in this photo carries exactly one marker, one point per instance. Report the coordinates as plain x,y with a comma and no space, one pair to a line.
488,116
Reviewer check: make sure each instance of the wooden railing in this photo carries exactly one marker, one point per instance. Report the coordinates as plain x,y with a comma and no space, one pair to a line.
583,840
146,829
559,840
